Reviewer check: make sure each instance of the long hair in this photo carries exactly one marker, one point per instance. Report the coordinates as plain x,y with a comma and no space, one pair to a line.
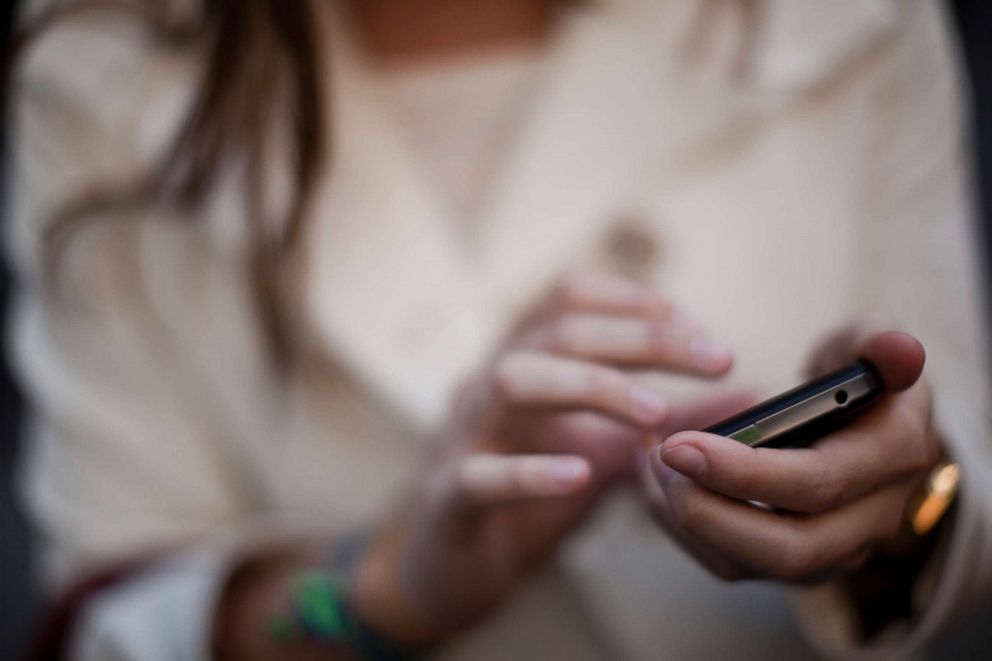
256,52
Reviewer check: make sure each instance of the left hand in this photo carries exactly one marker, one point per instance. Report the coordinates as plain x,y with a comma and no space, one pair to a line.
831,503
535,440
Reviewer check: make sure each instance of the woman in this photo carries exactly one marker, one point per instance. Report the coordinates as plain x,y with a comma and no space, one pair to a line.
253,284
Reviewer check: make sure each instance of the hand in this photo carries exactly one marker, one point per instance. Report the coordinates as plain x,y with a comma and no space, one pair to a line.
537,438
830,504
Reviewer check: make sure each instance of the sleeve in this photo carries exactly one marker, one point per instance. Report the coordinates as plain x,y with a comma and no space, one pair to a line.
140,364
922,271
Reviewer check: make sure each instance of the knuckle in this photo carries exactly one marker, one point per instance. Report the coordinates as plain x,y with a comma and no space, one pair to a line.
688,510
798,556
571,290
800,559
829,490
662,339
602,380
568,333
506,375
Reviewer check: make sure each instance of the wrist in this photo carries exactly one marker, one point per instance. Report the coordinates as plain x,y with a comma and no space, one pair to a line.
885,589
254,590
379,600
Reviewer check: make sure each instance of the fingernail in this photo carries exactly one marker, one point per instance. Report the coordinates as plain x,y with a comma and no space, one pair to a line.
685,459
649,403
710,354
662,471
567,474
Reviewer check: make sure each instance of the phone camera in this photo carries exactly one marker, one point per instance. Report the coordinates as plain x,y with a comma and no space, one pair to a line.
840,397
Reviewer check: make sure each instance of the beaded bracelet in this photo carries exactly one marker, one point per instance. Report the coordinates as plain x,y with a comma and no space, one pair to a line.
320,610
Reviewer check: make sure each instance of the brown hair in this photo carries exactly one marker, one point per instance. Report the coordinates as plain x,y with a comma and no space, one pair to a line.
255,51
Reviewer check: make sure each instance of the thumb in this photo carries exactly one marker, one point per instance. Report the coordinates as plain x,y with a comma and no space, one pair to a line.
898,357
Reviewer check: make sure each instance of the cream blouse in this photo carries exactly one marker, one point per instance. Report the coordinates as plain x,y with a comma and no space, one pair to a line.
778,172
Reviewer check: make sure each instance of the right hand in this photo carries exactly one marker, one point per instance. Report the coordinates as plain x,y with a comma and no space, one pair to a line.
833,504
554,421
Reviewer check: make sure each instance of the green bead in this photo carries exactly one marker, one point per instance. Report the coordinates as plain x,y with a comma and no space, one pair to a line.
319,597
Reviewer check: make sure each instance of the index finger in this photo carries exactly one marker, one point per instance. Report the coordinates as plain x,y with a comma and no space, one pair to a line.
889,443
609,294
537,380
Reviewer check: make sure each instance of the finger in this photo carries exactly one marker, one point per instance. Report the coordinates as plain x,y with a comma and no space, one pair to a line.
657,505
858,560
595,293
899,357
527,378
702,412
608,294
834,351
889,444
483,480
638,342
785,547
607,443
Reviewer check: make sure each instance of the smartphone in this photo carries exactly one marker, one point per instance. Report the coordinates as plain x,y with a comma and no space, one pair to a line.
802,415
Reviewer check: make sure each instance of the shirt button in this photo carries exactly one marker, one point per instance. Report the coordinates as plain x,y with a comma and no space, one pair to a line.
633,249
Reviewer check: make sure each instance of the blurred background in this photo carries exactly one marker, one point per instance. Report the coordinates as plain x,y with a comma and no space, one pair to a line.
971,638
17,599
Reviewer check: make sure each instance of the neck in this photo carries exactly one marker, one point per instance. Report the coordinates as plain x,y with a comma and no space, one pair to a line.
394,30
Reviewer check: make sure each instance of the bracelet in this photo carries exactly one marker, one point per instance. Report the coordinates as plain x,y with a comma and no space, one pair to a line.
320,610
936,499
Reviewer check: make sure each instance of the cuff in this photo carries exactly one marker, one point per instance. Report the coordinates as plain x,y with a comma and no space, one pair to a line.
165,614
